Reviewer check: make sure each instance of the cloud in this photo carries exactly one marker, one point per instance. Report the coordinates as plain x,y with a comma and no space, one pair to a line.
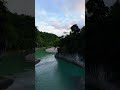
44,27
60,20
68,6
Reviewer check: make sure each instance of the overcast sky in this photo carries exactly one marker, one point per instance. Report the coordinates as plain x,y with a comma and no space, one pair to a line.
57,16
22,6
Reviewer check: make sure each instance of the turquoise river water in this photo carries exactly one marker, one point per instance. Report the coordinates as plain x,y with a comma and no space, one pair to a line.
53,74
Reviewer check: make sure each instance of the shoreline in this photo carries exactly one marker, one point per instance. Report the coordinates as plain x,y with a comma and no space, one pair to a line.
74,60
70,60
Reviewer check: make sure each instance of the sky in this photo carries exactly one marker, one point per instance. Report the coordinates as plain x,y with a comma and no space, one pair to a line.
53,16
57,16
21,6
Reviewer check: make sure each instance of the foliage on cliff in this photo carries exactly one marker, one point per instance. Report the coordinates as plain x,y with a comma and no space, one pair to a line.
46,39
17,32
73,43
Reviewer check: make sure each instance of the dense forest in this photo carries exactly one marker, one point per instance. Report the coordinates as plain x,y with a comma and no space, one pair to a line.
74,42
103,45
44,39
17,32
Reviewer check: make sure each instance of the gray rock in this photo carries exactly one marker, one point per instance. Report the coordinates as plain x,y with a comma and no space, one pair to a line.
74,58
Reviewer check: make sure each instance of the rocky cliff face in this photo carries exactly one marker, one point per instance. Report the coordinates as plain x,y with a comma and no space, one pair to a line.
74,58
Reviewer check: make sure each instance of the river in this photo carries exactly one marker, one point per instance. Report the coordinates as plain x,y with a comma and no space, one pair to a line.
53,74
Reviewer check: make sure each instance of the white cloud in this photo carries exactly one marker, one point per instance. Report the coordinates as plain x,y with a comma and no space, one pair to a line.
71,12
50,29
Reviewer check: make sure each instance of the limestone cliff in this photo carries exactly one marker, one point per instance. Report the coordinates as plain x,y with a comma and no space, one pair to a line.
74,58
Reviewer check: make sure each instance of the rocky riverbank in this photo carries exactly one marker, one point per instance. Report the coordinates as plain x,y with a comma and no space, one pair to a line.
73,58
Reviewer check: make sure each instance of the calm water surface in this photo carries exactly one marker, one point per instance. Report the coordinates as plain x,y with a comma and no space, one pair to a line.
53,74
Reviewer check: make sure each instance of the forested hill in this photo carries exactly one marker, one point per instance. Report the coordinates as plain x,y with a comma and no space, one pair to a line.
20,31
17,32
46,39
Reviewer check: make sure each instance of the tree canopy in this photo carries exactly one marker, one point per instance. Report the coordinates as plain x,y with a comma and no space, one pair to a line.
73,43
17,32
46,39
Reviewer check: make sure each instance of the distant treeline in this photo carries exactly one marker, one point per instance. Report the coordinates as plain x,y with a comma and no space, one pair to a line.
17,32
46,39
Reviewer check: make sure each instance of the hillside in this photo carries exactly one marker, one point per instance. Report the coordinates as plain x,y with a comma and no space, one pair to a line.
17,32
46,39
